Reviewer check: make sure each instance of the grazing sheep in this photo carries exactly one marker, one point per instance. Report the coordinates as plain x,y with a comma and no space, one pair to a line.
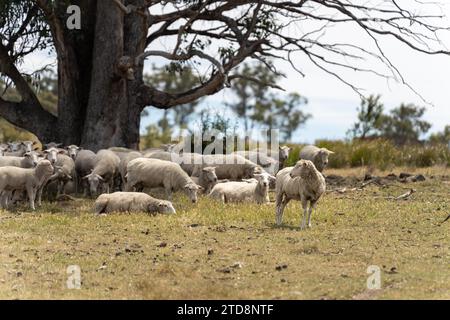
105,169
187,161
84,164
72,151
29,160
153,173
131,202
269,164
207,179
64,172
228,166
20,179
124,163
319,156
302,182
248,190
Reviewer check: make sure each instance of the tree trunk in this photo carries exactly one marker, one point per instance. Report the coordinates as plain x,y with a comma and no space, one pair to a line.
98,106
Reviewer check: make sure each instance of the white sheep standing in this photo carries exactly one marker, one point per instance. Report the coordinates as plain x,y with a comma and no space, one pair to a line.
256,190
319,156
131,202
20,179
207,179
302,182
64,172
105,169
154,173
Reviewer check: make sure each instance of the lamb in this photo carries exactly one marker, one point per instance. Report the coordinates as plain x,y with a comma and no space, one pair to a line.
131,202
319,156
84,164
248,190
153,173
207,179
20,179
302,182
29,160
228,166
105,169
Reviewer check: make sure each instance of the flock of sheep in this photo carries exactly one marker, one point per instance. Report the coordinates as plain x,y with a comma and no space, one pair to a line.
118,177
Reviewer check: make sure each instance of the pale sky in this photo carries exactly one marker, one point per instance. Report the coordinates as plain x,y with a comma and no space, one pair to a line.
333,104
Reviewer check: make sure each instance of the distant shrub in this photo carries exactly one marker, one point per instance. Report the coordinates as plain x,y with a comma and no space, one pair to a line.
379,153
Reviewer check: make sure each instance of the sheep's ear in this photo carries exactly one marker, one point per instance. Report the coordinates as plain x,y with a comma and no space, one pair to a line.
34,143
100,177
69,176
61,152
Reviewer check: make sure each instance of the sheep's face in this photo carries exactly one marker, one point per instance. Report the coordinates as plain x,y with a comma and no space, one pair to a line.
301,168
52,154
28,146
165,207
263,179
14,146
73,151
94,181
284,153
210,174
32,157
191,191
322,156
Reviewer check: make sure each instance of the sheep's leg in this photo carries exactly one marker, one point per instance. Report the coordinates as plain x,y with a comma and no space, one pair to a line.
31,197
280,209
169,194
305,213
311,207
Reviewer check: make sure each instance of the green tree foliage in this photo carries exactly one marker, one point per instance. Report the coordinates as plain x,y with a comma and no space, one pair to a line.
404,124
441,137
370,116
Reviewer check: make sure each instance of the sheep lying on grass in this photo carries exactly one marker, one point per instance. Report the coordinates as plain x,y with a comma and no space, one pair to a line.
302,182
256,190
319,156
154,173
19,179
131,202
207,179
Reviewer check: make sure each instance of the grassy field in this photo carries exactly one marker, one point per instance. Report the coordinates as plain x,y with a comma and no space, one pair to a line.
215,251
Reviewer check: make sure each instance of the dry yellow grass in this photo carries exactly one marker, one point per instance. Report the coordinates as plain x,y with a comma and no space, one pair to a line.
215,251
